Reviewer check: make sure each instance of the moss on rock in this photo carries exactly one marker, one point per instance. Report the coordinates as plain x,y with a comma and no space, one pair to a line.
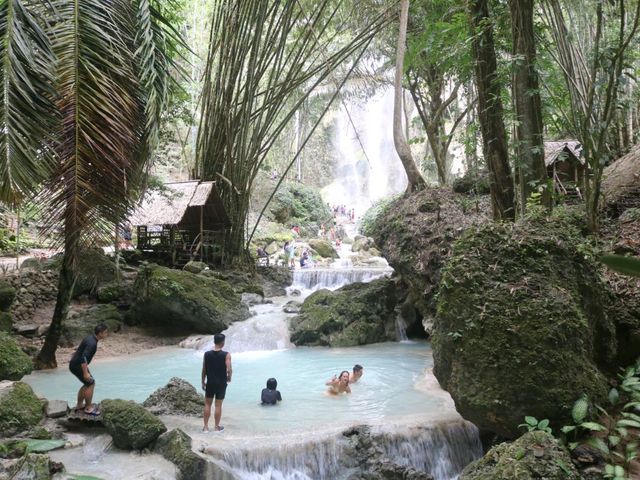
7,295
535,455
299,204
33,466
79,325
20,409
175,446
130,425
323,248
357,314
6,322
14,363
178,397
184,301
521,327
94,269
110,292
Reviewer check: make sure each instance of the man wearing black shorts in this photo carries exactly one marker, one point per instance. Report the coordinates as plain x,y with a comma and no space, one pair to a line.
79,366
216,373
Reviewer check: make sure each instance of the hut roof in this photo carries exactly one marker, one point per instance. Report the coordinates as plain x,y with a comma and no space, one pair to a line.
168,207
560,150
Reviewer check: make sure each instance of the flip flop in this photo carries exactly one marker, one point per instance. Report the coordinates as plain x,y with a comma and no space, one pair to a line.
94,413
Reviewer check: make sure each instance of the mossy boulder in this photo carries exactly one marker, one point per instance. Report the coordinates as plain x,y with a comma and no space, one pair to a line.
6,322
175,446
178,397
535,455
357,314
130,425
521,327
94,269
20,409
80,324
13,448
185,302
302,205
323,248
110,292
195,267
7,295
415,234
472,183
14,363
33,466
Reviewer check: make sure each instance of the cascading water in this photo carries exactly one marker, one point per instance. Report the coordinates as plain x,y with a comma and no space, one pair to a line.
333,278
401,329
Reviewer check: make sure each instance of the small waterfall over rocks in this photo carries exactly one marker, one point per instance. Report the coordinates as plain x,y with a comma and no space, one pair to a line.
333,278
442,450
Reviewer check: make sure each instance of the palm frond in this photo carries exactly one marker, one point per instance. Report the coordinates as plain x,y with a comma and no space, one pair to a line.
27,111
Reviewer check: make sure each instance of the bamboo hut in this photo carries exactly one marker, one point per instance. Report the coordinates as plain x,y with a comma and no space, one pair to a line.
184,221
565,166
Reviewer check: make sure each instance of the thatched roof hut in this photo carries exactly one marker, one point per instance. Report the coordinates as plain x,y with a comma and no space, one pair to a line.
562,150
185,219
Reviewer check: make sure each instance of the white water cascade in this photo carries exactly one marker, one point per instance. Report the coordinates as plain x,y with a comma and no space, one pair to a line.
368,167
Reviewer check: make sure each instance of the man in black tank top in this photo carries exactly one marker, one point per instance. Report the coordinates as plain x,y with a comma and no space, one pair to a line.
216,373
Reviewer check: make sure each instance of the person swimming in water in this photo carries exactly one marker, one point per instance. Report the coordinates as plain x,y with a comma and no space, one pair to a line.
358,370
270,395
340,384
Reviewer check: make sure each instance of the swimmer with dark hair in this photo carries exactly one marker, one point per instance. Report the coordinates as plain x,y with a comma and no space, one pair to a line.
271,396
340,384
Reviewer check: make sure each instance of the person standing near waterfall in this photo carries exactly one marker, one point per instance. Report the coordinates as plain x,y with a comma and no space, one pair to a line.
216,374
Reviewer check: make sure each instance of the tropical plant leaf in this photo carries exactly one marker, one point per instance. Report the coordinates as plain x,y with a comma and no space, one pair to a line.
599,444
580,409
41,446
28,115
593,426
621,264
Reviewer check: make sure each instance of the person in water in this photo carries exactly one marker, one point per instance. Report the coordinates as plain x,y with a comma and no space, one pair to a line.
340,384
358,370
271,396
79,366
216,374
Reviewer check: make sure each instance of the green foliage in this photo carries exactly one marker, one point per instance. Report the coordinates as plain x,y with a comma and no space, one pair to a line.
298,204
611,431
621,264
368,222
532,424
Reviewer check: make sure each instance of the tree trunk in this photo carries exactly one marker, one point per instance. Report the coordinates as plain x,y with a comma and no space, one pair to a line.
415,182
490,112
528,107
47,356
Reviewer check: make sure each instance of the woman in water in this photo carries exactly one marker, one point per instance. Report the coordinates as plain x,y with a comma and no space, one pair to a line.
338,385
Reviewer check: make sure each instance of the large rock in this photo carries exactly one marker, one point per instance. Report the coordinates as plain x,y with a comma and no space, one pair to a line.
7,294
195,267
357,314
521,327
14,363
275,280
361,244
323,248
621,183
298,204
20,409
185,302
178,397
94,269
130,425
33,466
6,322
535,455
80,324
175,446
415,234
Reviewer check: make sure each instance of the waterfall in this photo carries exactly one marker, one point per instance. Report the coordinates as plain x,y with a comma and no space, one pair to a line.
333,278
401,329
441,450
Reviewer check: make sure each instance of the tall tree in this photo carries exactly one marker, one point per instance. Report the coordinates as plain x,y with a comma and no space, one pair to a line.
111,84
265,59
528,107
490,111
415,182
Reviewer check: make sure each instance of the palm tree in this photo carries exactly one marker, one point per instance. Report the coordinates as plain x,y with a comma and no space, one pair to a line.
110,85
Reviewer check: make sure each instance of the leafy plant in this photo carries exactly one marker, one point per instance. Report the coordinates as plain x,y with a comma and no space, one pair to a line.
626,265
532,424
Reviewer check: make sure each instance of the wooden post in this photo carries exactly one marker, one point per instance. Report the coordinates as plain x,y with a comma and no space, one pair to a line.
201,231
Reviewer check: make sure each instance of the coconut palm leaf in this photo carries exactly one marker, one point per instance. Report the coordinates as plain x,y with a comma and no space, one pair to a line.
27,110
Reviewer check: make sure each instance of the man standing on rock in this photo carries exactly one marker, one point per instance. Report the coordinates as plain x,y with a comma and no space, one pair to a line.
216,374
79,366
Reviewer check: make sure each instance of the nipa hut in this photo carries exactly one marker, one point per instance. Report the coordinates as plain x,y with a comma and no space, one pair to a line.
565,165
184,221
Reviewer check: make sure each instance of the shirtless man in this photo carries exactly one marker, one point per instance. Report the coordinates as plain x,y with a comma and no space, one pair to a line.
338,385
358,370
216,374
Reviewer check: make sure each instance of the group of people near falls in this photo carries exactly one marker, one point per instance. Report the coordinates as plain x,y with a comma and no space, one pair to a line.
217,372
